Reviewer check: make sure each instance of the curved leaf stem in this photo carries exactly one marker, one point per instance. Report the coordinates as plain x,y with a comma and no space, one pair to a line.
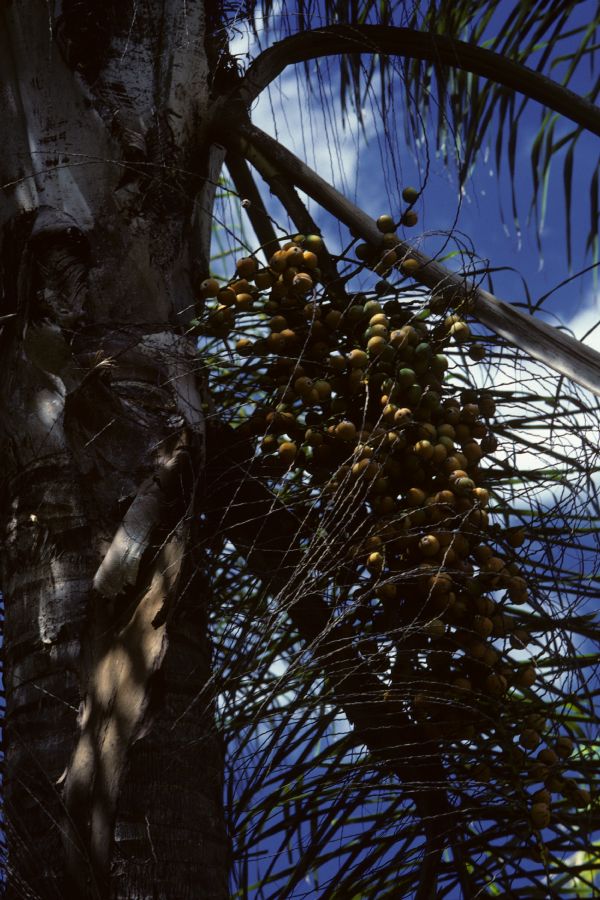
551,346
430,47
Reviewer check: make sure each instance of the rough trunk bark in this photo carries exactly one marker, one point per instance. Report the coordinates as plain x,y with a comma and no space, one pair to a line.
113,764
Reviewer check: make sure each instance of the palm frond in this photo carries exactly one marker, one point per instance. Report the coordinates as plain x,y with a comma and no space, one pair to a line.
322,803
468,111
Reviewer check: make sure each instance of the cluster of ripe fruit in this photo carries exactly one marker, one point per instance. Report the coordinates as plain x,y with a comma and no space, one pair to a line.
356,409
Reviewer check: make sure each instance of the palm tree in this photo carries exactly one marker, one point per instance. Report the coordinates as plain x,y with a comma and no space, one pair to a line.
264,620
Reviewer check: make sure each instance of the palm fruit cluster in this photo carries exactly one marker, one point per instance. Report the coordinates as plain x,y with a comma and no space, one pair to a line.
354,412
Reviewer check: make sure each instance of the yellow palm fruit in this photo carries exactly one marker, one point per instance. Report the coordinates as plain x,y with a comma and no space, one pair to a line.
385,223
210,287
540,815
410,266
287,452
246,267
346,430
429,545
410,195
410,218
564,746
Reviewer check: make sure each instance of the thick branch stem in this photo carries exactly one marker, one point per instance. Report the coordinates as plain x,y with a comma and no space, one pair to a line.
284,190
554,348
257,213
434,48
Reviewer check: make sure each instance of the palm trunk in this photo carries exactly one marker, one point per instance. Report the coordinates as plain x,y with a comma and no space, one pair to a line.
113,763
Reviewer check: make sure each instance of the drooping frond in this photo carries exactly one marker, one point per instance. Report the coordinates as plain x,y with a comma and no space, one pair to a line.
469,110
405,654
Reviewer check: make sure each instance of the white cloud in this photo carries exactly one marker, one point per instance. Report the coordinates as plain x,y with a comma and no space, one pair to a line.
585,324
308,124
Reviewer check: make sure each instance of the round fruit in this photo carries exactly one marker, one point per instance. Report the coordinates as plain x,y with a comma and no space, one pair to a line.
548,757
346,430
439,363
223,317
303,385
276,342
385,223
424,449
489,444
386,591
415,497
481,495
358,359
494,565
310,260
516,537
313,438
482,626
333,319
386,261
289,336
564,746
526,677
246,267
337,362
490,656
264,279
477,352
302,283
429,545
379,319
540,815
375,562
269,443
460,331
385,505
410,195
410,218
313,242
403,416
390,240
462,486
410,266
355,380
210,287
581,797
294,255
244,346
243,301
287,452
278,261
376,345
323,389
413,394
473,452
376,331
226,296
372,307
